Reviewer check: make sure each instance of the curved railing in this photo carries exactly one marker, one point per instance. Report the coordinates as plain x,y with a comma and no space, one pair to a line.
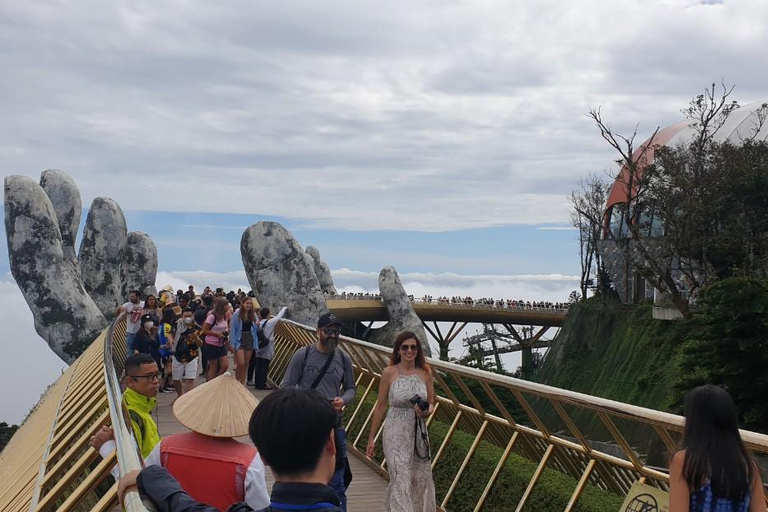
482,420
499,443
128,456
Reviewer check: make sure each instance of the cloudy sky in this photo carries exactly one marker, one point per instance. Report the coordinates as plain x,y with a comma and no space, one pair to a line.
440,137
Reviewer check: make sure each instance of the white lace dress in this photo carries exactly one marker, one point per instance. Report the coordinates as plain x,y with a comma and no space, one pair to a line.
411,488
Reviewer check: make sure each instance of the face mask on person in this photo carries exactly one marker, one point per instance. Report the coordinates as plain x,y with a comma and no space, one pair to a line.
149,325
188,320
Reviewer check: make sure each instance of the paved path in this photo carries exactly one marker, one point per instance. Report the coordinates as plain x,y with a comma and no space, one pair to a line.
365,494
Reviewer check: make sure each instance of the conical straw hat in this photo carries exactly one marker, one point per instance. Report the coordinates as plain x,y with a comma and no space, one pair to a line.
221,407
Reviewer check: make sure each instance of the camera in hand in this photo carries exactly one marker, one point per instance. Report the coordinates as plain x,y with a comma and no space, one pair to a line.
225,335
417,400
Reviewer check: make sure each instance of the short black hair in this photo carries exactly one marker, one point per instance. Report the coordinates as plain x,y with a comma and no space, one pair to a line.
136,292
264,313
187,310
290,428
136,361
208,300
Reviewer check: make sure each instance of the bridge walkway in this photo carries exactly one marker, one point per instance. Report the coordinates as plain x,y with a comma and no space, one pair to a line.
365,493
499,444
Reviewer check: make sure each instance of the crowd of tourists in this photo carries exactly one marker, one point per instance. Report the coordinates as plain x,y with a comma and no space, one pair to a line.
184,332
298,431
469,301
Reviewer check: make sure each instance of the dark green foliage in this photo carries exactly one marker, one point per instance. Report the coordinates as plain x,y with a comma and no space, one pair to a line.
728,346
551,493
615,351
6,432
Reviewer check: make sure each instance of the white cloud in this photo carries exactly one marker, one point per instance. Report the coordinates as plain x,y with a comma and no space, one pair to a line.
356,115
29,366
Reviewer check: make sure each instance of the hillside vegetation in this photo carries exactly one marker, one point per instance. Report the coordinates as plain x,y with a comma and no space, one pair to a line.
615,351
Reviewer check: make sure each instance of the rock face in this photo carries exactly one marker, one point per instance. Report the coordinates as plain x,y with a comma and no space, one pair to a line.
138,268
65,315
402,317
62,190
281,273
101,250
322,271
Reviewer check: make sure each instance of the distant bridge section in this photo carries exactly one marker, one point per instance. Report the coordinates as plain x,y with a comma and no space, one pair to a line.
370,308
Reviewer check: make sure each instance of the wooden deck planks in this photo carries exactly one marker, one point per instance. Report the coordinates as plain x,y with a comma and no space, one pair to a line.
365,494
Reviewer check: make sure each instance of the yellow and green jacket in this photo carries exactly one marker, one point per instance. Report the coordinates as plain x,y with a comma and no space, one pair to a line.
140,409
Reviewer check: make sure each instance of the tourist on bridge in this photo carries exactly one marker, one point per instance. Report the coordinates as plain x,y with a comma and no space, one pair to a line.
293,431
151,307
259,369
714,472
328,370
208,463
408,387
134,311
146,341
143,380
245,326
216,332
185,356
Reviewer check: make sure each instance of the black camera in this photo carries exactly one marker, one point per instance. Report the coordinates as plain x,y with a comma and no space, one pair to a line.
225,335
417,400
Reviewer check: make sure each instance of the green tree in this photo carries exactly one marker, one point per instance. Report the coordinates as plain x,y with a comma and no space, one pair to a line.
6,432
588,207
696,212
728,346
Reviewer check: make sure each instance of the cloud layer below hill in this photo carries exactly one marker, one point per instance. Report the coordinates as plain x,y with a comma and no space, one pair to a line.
29,366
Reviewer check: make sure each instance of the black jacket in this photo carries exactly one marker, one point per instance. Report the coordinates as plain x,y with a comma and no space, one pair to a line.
165,492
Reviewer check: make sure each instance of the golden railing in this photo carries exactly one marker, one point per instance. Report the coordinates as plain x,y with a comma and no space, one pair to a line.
486,429
587,442
49,464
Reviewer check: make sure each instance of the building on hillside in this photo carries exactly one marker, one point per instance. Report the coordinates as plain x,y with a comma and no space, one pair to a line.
616,248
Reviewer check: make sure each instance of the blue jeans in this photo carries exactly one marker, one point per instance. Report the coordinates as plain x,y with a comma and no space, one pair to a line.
129,336
337,482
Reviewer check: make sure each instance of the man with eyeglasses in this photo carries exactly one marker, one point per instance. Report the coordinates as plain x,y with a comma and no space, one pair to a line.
328,371
143,380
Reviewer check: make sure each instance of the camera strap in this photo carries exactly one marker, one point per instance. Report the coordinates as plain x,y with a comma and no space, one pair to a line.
323,369
422,435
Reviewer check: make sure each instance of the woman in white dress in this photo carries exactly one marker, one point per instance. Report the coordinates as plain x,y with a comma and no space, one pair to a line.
406,445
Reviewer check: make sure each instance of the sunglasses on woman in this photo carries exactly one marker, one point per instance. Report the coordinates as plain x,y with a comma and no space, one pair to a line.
409,348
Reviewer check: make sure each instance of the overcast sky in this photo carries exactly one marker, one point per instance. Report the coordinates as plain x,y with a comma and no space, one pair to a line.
438,136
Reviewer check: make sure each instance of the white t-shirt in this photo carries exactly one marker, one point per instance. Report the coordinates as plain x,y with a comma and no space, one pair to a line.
134,316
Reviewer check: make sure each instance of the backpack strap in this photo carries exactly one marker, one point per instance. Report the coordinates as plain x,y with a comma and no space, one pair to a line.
140,422
304,362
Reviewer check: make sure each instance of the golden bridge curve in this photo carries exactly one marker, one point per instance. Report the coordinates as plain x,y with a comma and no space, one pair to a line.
499,443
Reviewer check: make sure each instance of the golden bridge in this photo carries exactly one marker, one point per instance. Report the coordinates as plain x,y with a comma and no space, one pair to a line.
499,444
355,309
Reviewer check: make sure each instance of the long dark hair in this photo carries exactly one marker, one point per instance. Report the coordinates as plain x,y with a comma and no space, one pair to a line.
713,447
395,357
146,302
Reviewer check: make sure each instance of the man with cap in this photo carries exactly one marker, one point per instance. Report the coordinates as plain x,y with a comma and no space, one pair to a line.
209,464
328,371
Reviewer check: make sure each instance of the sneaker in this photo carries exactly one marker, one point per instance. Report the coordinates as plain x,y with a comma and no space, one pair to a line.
250,383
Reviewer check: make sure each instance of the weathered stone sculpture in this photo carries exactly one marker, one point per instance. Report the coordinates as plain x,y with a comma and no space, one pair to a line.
322,271
402,317
62,190
65,315
281,273
138,268
101,251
